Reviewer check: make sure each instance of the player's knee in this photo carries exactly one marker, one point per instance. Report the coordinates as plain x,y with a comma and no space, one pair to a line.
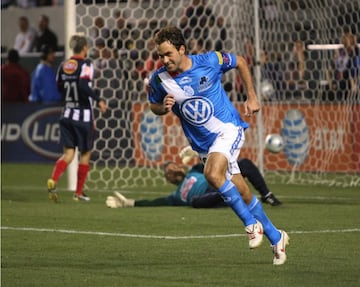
214,178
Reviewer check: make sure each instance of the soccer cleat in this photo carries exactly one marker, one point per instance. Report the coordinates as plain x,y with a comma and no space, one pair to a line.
81,197
279,249
255,233
271,199
51,186
124,202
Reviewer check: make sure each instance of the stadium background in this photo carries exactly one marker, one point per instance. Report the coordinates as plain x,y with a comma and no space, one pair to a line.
322,130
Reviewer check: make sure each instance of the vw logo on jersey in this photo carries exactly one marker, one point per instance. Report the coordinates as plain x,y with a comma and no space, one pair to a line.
197,110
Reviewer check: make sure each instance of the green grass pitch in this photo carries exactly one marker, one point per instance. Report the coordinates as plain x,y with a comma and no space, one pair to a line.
88,244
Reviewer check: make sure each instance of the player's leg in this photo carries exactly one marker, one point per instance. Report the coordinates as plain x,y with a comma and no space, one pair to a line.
59,168
82,172
85,142
211,199
67,140
215,171
278,238
256,209
252,173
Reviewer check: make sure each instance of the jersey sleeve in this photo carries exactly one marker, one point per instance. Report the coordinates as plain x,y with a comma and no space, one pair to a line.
156,92
87,71
226,61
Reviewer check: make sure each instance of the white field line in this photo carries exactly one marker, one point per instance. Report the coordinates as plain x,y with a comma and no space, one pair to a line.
77,232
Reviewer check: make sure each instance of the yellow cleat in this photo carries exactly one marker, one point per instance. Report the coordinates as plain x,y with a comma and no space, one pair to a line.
51,186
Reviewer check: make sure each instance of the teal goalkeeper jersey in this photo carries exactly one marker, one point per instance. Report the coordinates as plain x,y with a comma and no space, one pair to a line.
193,184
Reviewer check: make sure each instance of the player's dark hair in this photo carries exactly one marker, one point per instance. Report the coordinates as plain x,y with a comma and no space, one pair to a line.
77,43
171,34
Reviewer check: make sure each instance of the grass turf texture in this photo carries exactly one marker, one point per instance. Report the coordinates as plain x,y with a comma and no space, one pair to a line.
87,244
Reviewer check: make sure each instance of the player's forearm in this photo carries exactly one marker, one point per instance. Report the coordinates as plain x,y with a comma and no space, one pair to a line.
245,75
158,109
87,91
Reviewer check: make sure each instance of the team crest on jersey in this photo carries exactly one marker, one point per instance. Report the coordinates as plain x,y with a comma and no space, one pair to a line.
204,83
185,80
226,58
70,66
189,91
197,110
86,71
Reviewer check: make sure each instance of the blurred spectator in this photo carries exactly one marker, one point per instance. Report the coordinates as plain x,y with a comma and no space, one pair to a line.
43,79
267,87
101,53
347,66
153,61
249,52
220,25
353,65
6,3
196,46
25,39
199,18
44,2
299,57
270,10
99,30
15,80
26,3
45,36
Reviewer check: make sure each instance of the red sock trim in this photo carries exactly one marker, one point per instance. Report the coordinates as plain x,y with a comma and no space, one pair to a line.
83,170
59,169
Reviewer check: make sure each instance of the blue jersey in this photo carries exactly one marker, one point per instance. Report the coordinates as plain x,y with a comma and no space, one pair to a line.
193,184
202,104
43,85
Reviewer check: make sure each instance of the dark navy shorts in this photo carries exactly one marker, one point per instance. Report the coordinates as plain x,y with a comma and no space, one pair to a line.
77,134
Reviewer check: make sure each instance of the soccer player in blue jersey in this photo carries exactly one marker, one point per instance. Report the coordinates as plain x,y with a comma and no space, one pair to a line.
74,79
190,86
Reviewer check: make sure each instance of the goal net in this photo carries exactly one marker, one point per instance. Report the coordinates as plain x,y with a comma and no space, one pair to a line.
309,84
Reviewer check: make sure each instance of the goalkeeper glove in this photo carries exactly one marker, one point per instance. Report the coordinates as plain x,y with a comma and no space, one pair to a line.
187,154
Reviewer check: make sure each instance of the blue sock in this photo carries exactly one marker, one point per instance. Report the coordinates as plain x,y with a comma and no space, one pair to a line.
271,232
232,197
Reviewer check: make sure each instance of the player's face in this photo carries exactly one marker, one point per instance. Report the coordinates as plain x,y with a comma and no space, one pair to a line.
174,173
170,56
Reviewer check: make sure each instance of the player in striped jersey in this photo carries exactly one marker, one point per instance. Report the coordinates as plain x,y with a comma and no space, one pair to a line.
74,79
191,87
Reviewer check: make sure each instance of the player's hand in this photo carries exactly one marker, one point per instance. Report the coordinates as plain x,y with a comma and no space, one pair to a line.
252,104
102,106
112,202
168,102
187,153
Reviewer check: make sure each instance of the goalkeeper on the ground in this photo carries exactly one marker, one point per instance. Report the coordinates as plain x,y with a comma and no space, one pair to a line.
192,189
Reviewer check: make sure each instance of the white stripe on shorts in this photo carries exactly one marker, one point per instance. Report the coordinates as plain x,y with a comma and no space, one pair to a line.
86,116
76,114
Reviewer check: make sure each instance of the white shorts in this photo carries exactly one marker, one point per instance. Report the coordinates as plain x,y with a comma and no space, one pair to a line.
229,143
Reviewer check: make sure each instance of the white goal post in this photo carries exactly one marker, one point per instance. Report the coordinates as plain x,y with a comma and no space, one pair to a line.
311,98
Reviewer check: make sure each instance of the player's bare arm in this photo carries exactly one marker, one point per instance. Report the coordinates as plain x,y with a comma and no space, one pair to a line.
252,104
165,107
